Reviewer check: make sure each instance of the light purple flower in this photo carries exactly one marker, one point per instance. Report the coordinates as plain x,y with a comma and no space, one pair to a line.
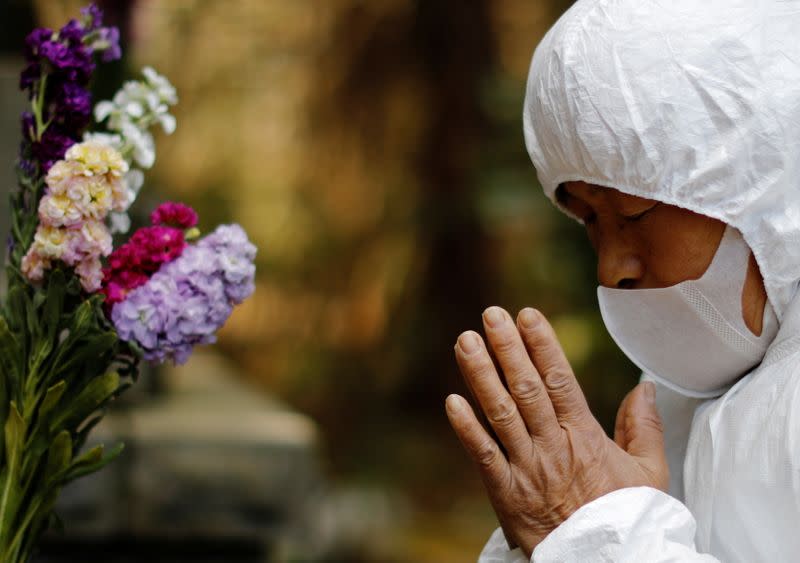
189,299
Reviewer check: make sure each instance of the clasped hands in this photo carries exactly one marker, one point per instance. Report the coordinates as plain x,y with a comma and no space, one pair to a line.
553,456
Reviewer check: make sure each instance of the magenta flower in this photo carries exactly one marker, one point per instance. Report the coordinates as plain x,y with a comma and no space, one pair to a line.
174,215
132,264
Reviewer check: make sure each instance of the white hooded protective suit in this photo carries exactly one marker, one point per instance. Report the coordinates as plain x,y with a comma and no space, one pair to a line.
695,103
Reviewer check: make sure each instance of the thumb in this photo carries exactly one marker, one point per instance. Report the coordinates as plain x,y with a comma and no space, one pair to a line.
642,433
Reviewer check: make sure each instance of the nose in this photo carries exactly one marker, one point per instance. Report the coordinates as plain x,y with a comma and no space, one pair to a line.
619,266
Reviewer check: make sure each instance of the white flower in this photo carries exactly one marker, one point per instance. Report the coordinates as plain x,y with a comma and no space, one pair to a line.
168,123
142,144
109,139
103,109
119,222
134,180
136,107
166,91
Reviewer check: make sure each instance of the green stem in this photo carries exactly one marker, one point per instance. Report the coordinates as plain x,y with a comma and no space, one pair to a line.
13,548
5,518
38,104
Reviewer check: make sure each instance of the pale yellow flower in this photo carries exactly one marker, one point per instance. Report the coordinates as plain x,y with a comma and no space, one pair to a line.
99,198
61,176
51,242
60,211
98,159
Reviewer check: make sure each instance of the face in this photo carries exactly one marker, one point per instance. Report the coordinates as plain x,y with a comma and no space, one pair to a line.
642,243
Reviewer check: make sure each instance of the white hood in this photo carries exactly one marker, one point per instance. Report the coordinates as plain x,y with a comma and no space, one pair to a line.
695,103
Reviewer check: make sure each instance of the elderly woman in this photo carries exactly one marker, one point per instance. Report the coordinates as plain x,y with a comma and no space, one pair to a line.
671,130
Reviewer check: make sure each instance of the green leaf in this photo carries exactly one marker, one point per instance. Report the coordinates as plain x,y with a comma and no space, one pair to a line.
39,299
51,398
16,307
93,396
89,457
10,352
73,286
85,428
59,456
95,346
34,328
92,461
14,433
56,289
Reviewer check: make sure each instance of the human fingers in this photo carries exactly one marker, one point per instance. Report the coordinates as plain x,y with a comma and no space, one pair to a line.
500,409
483,450
620,434
524,383
549,360
645,433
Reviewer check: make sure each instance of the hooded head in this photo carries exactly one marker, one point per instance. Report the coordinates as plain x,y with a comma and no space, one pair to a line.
694,104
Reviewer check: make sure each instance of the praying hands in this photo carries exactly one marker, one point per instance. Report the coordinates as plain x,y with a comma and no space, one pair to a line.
552,456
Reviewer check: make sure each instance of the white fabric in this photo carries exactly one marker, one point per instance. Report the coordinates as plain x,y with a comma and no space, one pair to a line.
692,103
691,337
695,104
740,460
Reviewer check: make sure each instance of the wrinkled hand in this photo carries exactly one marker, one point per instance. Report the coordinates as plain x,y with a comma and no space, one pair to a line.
556,456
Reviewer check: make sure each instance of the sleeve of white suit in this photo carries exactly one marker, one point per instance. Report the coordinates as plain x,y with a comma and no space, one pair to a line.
628,525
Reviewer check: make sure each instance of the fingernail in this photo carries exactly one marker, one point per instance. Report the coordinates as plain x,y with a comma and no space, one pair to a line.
528,317
453,403
469,343
494,316
650,392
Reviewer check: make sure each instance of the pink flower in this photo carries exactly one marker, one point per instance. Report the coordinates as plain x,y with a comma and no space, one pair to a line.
34,265
174,215
90,272
93,238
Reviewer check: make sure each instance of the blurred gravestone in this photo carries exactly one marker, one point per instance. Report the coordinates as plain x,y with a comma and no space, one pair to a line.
211,472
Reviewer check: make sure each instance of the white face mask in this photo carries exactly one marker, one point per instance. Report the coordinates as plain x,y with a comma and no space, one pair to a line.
691,336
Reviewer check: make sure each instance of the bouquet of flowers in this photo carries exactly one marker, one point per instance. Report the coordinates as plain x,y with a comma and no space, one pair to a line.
78,315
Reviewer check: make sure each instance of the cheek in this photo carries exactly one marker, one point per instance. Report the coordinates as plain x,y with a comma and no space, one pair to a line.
678,246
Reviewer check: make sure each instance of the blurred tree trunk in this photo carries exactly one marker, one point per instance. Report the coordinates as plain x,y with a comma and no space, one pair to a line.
455,48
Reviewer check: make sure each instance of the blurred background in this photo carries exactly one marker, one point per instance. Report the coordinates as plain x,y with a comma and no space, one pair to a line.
373,151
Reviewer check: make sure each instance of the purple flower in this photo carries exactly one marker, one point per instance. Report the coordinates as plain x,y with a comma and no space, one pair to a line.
34,41
68,60
109,37
92,16
30,75
27,166
189,299
52,147
72,32
74,99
